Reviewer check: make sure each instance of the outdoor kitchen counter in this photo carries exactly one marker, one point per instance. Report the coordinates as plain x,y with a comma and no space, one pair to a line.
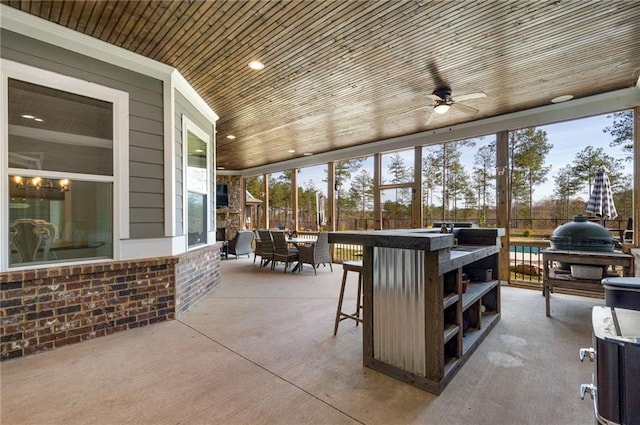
419,326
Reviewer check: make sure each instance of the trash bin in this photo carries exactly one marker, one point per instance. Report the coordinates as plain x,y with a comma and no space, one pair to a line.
622,292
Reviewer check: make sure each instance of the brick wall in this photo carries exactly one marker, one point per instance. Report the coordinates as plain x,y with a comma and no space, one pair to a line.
197,273
47,308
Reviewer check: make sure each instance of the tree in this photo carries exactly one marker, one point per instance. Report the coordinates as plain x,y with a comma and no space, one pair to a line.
565,187
586,165
622,131
343,172
445,158
399,173
280,198
255,186
362,193
528,149
307,211
484,179
430,179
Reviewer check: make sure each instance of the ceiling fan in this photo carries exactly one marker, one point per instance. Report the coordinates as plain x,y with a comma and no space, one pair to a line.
444,101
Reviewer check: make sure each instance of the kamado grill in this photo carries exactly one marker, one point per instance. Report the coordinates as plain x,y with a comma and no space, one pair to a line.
581,235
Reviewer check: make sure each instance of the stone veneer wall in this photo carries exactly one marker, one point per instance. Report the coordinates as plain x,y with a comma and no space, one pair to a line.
197,273
47,308
231,218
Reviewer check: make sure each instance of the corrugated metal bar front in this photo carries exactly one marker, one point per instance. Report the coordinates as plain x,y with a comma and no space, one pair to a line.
398,295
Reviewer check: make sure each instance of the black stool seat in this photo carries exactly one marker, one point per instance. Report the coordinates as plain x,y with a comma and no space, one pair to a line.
349,266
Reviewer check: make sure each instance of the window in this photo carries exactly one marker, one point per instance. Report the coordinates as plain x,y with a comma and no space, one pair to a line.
197,166
60,174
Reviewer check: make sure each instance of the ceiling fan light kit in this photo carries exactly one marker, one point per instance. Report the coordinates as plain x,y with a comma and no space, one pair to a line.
441,108
442,96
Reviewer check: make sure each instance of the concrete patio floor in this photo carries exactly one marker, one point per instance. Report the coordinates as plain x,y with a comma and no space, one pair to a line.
259,349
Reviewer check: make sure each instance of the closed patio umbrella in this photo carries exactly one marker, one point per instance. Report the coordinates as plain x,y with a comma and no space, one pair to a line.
601,200
320,206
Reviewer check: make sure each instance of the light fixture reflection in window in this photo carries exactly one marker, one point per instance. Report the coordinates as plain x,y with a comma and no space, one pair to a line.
39,183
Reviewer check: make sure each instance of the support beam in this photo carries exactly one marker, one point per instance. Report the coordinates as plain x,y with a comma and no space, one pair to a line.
294,198
503,200
265,201
636,176
377,204
331,195
416,196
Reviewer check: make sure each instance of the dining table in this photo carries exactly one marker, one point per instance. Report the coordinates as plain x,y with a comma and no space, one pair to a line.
297,242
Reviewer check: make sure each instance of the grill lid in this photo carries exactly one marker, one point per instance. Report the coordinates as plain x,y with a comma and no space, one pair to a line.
580,234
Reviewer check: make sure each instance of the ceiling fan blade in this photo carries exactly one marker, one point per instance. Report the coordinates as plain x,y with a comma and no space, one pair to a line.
478,95
412,110
430,116
465,108
435,97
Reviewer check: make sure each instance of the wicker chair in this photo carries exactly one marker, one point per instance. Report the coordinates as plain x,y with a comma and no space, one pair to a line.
264,247
281,251
241,244
316,254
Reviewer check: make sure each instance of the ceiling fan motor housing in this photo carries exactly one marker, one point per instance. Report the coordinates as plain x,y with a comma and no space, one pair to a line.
443,93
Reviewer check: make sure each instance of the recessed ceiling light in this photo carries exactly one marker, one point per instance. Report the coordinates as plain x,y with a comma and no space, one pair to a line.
307,154
38,119
562,98
219,168
198,151
231,136
27,116
256,65
291,150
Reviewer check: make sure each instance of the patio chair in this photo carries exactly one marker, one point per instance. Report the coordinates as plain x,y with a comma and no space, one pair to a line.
281,251
264,247
627,236
316,254
241,244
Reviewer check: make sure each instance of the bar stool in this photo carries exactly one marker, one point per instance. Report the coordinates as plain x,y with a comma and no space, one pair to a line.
349,266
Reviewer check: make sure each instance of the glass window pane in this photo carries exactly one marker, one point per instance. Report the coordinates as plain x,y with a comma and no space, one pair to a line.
49,223
280,214
396,208
54,130
397,167
196,163
197,216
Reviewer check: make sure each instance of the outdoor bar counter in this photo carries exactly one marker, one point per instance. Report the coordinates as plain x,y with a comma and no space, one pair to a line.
420,324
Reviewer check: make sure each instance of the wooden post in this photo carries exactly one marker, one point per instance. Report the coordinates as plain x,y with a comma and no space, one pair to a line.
331,195
636,177
294,198
377,178
416,196
265,201
503,199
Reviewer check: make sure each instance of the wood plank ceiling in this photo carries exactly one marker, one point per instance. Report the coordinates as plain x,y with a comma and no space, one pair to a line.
344,73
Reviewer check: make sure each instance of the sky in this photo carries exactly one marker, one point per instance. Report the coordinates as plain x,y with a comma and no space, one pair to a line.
568,138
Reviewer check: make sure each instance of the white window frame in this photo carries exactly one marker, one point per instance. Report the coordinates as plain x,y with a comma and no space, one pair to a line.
190,126
120,179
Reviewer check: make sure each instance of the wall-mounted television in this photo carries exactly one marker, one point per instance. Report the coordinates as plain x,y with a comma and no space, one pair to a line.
222,195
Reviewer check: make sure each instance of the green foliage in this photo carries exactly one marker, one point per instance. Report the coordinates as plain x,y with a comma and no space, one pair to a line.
528,148
586,165
622,131
255,186
526,233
